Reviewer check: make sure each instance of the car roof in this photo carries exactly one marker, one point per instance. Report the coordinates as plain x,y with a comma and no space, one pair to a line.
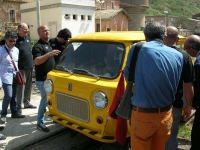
112,36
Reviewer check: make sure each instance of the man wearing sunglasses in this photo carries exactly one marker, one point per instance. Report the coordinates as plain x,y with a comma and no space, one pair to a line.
192,46
60,41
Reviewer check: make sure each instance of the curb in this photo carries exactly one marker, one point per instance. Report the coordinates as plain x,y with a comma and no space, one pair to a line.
40,139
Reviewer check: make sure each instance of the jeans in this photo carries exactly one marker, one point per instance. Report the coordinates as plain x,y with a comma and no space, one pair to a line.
172,143
9,97
24,92
43,101
195,135
150,131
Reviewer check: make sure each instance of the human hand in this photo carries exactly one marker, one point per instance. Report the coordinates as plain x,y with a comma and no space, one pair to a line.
54,52
187,112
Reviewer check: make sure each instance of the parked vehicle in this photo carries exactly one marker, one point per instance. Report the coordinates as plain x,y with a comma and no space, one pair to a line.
81,88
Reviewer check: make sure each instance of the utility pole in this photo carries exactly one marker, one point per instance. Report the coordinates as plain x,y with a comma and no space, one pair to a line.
38,12
100,2
166,18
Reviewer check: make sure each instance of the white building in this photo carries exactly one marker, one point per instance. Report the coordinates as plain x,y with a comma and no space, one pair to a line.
76,15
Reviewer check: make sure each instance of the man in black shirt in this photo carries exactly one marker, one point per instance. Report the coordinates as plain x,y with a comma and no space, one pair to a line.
60,41
25,65
186,79
43,57
192,46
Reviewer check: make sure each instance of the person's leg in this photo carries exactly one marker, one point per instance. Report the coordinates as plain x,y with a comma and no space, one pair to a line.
28,85
42,106
7,97
195,135
27,92
142,130
20,93
43,101
13,104
163,123
172,143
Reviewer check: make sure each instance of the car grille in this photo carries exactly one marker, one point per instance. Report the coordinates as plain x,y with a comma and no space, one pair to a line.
72,106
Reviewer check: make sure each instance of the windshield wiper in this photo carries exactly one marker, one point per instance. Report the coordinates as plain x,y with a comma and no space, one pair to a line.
85,71
64,68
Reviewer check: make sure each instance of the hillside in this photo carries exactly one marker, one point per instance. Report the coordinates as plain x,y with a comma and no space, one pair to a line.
181,8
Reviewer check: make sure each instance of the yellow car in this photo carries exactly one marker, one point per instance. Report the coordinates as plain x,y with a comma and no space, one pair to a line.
81,88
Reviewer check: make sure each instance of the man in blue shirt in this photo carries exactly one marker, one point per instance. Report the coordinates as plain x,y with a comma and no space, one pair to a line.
157,73
192,46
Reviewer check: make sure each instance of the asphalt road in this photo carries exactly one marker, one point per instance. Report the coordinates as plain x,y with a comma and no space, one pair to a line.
72,140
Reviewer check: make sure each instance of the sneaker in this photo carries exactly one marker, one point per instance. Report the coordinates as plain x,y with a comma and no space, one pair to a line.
29,105
42,127
2,137
17,116
3,120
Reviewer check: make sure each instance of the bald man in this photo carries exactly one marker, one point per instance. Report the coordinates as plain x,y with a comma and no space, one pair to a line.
192,46
185,85
43,57
25,65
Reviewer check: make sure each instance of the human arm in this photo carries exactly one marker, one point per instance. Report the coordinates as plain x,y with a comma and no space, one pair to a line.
189,93
40,55
196,99
0,84
128,62
41,59
188,76
0,78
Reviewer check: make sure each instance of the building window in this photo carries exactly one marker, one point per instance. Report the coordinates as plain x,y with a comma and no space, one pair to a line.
82,17
98,28
67,16
108,29
112,5
12,15
89,17
75,17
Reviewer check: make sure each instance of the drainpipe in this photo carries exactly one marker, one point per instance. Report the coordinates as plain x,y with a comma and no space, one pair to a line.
38,12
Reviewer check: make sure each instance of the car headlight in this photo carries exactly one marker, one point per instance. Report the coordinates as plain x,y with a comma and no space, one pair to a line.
48,86
99,100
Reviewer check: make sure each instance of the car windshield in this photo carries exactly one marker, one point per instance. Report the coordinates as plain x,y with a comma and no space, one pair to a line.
98,59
